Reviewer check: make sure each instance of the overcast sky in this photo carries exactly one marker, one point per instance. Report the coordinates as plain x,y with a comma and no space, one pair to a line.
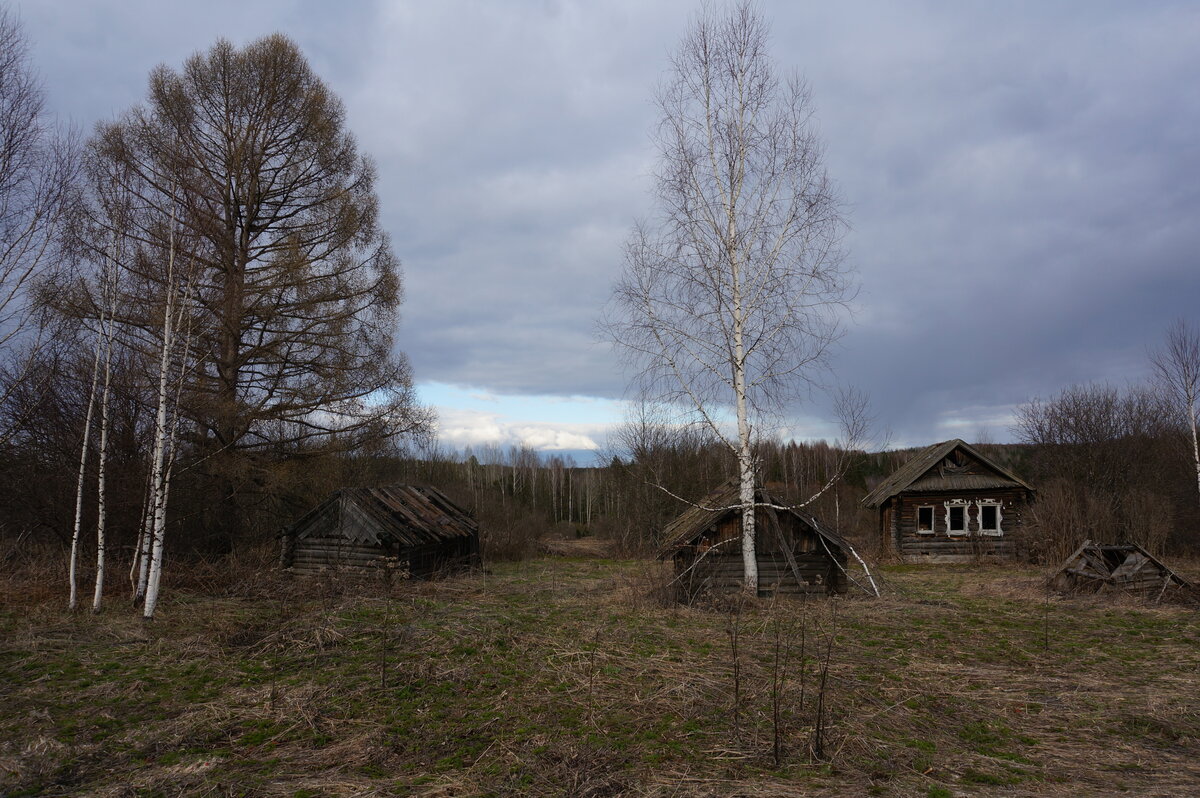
1022,181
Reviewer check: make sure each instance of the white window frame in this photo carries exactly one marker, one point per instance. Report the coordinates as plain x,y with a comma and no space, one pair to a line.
999,505
932,519
963,504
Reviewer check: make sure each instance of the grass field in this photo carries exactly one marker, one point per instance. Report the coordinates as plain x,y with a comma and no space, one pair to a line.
566,677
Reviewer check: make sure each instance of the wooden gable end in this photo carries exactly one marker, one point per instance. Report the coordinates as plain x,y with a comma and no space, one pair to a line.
961,470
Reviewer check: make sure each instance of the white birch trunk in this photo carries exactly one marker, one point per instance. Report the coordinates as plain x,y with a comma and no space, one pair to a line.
745,456
746,496
108,332
140,570
1195,442
102,463
158,483
73,601
157,472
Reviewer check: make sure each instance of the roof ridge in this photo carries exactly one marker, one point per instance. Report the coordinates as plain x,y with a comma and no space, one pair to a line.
918,464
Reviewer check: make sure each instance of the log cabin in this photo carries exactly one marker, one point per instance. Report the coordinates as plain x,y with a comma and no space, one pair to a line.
410,530
950,503
796,554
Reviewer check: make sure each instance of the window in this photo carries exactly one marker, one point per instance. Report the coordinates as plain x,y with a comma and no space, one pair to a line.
956,517
989,517
925,520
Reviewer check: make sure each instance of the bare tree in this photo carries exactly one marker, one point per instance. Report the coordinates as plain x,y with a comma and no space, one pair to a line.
1098,450
297,287
733,293
107,334
165,428
37,172
85,447
1177,373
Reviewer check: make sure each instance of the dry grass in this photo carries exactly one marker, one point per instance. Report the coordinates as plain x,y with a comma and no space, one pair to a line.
573,677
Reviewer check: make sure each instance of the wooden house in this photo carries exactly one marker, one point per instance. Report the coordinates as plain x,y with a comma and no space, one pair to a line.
796,554
412,530
1123,566
950,503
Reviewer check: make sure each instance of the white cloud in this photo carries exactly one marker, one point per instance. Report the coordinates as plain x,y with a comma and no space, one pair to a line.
459,428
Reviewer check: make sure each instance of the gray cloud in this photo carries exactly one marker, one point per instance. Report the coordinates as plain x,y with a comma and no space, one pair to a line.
1020,177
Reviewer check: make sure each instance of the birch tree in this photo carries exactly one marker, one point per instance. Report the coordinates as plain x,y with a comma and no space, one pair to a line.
102,355
1177,372
172,354
81,478
733,291
106,343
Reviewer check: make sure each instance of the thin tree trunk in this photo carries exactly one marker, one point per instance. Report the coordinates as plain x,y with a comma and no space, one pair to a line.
102,463
143,550
157,474
1195,442
73,602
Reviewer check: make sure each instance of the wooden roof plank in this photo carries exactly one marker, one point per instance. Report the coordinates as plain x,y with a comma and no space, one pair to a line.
922,462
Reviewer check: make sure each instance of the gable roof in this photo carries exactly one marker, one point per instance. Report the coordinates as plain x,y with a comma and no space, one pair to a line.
914,475
406,515
693,522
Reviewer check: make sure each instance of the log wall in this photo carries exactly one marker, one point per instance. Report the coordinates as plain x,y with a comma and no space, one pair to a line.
899,516
721,574
314,554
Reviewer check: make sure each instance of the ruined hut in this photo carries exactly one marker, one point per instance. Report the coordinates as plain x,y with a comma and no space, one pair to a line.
411,530
950,503
1121,566
796,554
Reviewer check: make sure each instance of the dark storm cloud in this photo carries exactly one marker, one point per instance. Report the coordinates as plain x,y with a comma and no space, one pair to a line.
1019,198
1020,178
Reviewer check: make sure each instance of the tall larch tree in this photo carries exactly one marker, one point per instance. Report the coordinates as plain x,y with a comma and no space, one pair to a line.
296,287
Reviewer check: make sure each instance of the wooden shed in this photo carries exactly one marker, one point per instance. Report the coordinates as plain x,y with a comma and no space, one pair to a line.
412,529
950,503
796,554
1122,566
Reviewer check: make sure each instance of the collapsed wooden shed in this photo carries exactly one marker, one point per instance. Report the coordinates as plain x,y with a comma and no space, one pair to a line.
1120,566
414,530
796,554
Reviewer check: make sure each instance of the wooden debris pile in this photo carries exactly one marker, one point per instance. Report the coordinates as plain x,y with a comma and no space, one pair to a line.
1121,566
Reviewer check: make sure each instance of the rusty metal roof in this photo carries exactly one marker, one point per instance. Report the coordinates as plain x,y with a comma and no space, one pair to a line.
914,475
407,515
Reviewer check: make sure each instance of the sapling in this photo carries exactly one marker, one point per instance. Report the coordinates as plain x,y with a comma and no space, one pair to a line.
820,727
733,626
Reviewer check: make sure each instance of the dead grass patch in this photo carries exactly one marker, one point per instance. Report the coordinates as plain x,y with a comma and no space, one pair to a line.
573,676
